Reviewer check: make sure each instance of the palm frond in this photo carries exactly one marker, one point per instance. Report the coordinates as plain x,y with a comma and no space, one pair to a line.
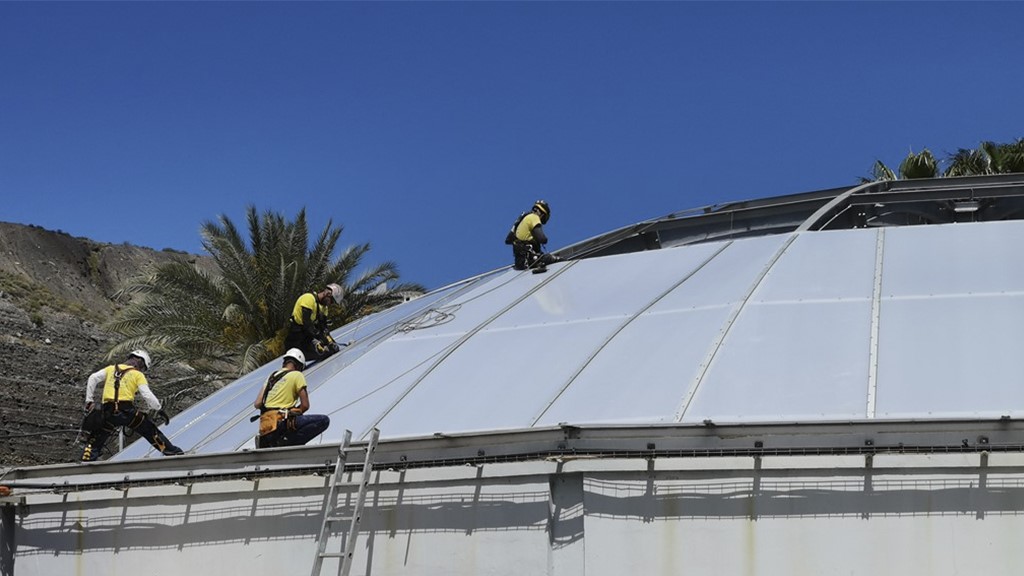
967,162
233,320
879,172
919,165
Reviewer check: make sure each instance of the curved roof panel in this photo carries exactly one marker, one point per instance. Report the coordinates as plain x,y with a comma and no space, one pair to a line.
837,305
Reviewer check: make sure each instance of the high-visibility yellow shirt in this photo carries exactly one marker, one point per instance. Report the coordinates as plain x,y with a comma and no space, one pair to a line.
130,383
308,301
524,232
285,392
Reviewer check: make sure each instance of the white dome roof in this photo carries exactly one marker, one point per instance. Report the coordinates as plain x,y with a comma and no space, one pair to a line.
824,306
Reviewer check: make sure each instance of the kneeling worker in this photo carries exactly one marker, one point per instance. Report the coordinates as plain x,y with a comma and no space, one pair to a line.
282,423
120,384
307,327
527,238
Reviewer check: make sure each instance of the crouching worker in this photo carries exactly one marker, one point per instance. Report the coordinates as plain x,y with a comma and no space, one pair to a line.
121,382
282,423
307,327
527,238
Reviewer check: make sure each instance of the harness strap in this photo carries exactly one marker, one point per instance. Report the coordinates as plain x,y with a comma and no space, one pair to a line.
271,382
118,373
515,225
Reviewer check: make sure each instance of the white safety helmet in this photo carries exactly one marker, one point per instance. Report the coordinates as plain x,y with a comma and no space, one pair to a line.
142,355
337,292
296,355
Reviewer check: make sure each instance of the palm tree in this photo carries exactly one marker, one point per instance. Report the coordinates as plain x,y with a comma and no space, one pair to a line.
879,172
920,165
233,319
1009,158
987,158
971,162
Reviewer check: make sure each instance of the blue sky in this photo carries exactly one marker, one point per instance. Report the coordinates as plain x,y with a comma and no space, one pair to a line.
426,128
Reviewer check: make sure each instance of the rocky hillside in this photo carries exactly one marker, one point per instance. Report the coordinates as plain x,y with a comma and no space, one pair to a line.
56,292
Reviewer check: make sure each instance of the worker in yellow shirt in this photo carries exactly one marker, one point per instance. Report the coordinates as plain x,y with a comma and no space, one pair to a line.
121,382
283,402
307,326
527,238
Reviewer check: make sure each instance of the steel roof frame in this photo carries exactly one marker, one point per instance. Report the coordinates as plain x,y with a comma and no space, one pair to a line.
795,212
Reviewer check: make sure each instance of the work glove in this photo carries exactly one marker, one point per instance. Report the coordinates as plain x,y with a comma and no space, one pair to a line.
163,415
319,347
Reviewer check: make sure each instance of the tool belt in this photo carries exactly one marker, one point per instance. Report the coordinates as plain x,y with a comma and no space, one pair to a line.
277,421
271,420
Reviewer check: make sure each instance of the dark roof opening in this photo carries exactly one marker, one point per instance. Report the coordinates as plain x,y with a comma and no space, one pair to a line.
882,203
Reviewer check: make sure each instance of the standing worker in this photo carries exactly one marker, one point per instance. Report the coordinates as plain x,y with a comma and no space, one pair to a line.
307,327
282,423
527,237
117,407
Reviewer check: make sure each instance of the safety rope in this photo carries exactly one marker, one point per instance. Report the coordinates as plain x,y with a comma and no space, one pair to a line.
429,318
26,435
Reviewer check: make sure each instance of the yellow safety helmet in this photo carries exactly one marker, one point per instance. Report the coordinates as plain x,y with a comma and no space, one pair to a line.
545,210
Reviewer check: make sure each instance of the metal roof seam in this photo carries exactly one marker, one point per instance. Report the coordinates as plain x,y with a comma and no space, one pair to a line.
454,346
375,338
390,382
876,311
629,320
723,333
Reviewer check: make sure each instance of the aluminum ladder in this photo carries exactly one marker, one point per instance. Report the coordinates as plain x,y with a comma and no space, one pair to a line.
330,512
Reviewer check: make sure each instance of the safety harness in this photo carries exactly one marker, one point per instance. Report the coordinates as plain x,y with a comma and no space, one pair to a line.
510,238
118,373
95,421
271,419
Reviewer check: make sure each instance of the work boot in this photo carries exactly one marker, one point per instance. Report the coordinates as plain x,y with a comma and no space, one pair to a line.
90,454
172,450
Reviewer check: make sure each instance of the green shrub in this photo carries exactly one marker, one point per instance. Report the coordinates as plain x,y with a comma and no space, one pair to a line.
32,297
93,263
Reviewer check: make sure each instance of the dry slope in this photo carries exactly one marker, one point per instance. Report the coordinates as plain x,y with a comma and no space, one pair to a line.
55,293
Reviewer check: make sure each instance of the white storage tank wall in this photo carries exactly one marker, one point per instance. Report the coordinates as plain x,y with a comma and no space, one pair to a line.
939,514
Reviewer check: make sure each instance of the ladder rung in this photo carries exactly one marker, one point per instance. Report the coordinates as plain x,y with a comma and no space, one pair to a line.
331,507
332,554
